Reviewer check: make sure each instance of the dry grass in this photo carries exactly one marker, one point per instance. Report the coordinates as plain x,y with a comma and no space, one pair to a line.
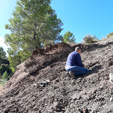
2,83
1,87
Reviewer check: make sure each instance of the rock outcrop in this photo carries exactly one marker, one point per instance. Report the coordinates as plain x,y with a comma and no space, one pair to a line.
41,84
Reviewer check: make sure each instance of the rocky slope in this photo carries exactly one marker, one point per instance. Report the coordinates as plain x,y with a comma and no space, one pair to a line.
41,84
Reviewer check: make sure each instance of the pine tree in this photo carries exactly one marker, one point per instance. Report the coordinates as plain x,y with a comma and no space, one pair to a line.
68,37
2,53
34,23
4,63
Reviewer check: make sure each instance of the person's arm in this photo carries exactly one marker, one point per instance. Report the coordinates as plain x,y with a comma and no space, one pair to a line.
79,61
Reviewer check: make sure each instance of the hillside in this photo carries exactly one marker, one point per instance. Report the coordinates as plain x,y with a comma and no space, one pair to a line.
41,84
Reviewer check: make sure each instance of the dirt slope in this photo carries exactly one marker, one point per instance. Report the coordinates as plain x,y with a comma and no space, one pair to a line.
41,84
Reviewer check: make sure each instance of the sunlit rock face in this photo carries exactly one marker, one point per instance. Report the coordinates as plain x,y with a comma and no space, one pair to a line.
41,84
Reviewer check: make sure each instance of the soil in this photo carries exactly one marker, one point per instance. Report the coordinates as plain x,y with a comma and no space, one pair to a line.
41,84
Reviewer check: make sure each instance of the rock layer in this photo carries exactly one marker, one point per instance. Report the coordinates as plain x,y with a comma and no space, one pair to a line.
41,84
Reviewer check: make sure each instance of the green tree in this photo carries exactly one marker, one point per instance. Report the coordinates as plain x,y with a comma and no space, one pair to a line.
2,53
34,22
68,37
5,67
14,59
4,63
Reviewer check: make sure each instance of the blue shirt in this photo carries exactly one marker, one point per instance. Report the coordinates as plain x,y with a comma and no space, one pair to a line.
74,59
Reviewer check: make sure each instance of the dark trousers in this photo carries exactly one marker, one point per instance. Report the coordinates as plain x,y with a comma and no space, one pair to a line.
78,70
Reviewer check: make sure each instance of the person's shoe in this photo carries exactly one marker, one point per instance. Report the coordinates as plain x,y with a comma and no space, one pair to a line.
71,73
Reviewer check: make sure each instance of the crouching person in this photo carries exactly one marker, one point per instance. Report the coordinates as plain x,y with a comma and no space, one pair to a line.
74,65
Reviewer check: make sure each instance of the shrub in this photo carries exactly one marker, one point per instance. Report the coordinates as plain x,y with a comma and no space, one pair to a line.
90,39
48,42
5,75
110,35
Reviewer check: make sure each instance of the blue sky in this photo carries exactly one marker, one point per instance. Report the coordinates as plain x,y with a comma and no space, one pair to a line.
81,17
6,9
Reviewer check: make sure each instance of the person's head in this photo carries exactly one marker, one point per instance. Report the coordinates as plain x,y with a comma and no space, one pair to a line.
78,49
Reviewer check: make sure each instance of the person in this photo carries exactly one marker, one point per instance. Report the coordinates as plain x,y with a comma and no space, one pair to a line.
74,65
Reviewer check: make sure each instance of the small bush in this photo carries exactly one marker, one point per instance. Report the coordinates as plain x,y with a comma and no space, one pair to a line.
110,35
48,42
90,39
2,82
5,75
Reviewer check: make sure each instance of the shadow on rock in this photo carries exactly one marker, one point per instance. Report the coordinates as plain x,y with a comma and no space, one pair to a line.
95,69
